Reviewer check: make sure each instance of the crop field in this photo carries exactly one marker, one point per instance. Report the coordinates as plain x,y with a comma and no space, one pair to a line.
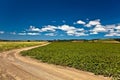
13,45
99,58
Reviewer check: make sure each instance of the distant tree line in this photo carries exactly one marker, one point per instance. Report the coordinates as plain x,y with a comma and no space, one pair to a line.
21,40
118,39
64,40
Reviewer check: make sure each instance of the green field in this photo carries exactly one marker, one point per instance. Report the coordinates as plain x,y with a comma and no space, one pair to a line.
13,45
99,58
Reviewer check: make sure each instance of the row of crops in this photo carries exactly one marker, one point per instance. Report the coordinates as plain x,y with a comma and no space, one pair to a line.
13,45
99,58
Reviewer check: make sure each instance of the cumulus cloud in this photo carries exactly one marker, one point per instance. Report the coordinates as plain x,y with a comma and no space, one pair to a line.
113,30
93,23
21,33
31,31
50,34
80,22
94,28
93,32
49,28
80,34
113,34
99,28
118,27
66,28
31,34
72,31
36,31
110,28
44,29
69,30
33,28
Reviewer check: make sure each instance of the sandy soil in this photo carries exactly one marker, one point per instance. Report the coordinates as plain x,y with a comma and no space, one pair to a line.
15,67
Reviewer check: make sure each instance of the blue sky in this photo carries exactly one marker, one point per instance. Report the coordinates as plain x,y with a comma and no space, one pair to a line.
59,19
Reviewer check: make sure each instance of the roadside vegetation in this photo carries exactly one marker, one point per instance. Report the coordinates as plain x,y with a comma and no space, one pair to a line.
13,45
99,58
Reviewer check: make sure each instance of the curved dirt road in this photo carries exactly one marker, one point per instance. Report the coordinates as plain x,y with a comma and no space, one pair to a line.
15,67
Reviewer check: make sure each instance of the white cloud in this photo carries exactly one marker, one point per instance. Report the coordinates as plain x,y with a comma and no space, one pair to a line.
49,28
93,23
118,27
21,33
72,31
33,28
66,28
94,27
50,34
81,22
113,34
94,32
44,29
99,28
80,34
110,28
118,31
33,34
80,29
113,30
2,32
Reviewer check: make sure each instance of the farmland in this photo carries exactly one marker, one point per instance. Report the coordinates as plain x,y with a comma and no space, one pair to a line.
99,58
13,45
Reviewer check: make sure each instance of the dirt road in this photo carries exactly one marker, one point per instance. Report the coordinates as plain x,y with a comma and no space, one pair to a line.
15,67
